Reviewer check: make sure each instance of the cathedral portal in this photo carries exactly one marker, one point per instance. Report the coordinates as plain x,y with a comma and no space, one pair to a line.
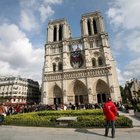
102,90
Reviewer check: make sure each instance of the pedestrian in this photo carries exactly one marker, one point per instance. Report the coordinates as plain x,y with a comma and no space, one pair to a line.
2,113
65,107
56,106
110,112
2,109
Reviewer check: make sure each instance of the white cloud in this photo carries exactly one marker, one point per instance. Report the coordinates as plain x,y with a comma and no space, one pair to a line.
124,13
120,77
17,56
6,34
134,64
45,12
133,41
52,1
5,67
132,69
130,40
117,40
34,11
125,18
28,21
116,17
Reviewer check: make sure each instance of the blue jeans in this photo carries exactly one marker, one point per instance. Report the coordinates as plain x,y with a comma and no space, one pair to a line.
1,119
112,125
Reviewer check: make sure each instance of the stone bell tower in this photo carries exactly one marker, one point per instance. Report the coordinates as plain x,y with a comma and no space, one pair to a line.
79,70
98,56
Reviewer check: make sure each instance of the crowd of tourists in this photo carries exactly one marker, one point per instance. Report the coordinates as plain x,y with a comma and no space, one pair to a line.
17,108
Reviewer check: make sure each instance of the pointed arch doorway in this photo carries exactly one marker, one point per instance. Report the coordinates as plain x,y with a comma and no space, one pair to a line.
58,95
80,92
102,90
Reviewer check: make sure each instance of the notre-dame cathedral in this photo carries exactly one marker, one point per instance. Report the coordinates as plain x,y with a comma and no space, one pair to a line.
79,70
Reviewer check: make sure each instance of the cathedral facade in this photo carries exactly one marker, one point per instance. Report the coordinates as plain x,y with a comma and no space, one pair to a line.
79,70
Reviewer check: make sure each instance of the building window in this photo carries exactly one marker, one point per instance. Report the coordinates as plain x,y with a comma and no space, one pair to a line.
97,43
54,50
60,66
89,27
100,61
54,67
60,49
70,48
60,32
54,33
91,44
94,26
93,62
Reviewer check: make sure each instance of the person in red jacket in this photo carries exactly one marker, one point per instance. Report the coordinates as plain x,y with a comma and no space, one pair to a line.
2,109
2,113
110,112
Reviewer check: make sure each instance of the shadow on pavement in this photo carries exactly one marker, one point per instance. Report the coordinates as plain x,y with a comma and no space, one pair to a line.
88,132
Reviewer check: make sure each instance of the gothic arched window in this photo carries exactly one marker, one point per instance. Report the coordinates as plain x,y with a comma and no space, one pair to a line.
97,43
94,26
60,49
60,66
54,67
54,33
60,32
93,62
89,27
100,61
91,44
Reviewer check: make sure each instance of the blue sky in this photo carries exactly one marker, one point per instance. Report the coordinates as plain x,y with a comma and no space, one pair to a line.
23,25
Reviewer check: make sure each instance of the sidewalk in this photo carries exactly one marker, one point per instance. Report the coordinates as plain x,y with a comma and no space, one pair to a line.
43,133
136,120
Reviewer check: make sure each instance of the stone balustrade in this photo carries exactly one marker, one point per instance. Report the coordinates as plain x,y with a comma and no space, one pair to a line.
102,71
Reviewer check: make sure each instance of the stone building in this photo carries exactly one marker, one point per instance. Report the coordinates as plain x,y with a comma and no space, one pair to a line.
79,70
132,89
19,90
